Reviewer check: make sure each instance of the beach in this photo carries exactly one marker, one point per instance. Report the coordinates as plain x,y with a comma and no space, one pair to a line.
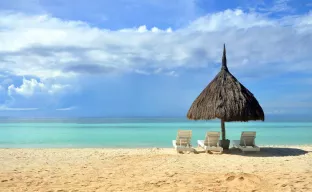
274,168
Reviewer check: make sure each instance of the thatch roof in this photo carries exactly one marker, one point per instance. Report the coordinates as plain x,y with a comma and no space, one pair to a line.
225,98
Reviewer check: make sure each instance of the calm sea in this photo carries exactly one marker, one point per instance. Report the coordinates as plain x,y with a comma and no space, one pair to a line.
138,132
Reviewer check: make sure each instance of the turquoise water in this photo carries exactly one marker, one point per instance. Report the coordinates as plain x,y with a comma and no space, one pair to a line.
140,132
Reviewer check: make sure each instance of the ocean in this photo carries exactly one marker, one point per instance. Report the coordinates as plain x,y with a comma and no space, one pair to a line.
138,132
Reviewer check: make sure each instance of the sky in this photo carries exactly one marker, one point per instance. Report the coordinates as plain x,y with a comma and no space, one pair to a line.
128,58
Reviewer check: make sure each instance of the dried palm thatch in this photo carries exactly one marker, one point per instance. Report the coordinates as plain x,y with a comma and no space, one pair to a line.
227,99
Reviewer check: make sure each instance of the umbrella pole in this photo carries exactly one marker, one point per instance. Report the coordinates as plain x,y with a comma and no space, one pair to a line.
223,129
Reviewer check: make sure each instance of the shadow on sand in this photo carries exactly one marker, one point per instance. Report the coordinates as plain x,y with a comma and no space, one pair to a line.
269,152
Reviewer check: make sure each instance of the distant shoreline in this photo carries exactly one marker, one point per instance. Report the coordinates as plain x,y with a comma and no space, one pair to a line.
62,119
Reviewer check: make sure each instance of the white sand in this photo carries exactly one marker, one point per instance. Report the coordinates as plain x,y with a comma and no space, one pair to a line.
273,169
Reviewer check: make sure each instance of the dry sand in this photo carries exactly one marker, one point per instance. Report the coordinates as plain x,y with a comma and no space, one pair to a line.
273,169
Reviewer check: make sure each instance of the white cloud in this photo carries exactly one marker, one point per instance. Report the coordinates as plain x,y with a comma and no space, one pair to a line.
275,112
230,19
66,109
46,47
172,73
142,29
141,72
279,6
32,86
4,108
158,70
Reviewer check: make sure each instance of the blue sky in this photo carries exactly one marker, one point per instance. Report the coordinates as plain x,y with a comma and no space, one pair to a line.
150,58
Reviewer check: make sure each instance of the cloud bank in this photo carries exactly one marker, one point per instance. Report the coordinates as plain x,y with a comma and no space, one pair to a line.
43,57
46,47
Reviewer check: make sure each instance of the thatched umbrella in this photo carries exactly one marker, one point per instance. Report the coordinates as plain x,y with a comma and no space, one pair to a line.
227,99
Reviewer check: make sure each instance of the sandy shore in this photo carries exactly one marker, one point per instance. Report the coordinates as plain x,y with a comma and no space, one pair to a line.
275,168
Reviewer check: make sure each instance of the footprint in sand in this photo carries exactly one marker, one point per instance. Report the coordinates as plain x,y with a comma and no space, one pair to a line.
230,178
243,178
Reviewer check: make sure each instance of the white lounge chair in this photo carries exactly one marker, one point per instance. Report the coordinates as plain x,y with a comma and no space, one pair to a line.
246,142
211,142
183,141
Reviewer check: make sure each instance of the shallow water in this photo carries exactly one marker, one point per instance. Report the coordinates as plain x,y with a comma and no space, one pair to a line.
144,132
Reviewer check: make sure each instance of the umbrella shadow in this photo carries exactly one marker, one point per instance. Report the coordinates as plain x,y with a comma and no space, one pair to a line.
270,152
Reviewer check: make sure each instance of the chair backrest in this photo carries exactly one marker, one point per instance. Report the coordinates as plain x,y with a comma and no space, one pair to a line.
184,137
212,138
248,138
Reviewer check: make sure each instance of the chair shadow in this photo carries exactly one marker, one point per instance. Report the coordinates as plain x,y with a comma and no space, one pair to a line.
269,152
200,150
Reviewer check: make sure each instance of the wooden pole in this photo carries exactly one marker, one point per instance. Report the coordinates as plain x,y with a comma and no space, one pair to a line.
223,129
